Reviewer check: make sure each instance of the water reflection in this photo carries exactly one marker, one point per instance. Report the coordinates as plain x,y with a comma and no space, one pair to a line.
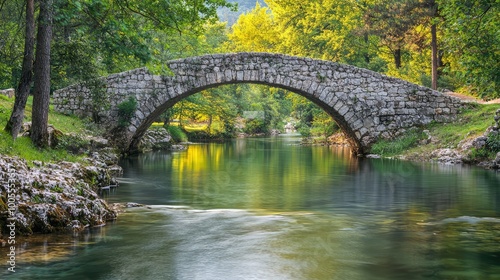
270,209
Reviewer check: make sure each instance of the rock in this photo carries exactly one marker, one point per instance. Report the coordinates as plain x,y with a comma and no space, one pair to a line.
447,156
428,139
10,92
290,128
178,147
53,197
133,205
479,142
98,142
373,156
156,139
274,132
496,162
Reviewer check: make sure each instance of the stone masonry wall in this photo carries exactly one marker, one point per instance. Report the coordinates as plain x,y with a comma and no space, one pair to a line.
365,104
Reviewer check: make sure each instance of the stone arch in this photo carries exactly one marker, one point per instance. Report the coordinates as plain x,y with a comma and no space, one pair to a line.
365,104
354,142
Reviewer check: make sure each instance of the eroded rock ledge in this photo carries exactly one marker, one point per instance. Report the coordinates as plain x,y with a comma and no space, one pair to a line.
52,197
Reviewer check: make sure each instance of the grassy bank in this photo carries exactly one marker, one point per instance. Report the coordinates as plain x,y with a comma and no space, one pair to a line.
471,123
23,147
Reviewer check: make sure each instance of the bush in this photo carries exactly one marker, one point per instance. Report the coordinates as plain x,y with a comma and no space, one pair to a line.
493,143
126,111
304,130
489,151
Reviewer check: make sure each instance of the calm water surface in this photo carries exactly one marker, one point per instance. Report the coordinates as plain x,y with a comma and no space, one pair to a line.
267,208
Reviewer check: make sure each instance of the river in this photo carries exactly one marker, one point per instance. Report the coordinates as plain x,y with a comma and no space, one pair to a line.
268,208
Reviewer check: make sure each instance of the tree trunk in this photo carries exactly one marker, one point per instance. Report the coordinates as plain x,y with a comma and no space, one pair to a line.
434,56
40,118
367,42
397,58
16,118
434,45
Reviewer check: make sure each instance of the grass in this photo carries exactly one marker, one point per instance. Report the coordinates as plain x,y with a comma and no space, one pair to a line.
177,134
399,145
471,123
22,146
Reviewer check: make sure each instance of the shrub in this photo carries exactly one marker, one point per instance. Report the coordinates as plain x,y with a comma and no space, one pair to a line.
493,143
304,130
489,151
126,111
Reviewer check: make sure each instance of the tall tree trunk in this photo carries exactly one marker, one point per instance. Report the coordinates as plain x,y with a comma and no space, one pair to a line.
397,58
367,42
434,46
434,56
40,118
16,118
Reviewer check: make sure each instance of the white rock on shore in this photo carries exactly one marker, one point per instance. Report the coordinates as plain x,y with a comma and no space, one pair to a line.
52,197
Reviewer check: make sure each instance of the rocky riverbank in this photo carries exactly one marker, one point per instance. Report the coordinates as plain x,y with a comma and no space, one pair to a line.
470,150
158,139
54,197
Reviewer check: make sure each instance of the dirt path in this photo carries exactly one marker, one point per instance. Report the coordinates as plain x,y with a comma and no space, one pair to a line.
468,98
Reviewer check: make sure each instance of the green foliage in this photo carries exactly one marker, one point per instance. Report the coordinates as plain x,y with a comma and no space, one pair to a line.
37,199
57,189
398,145
255,126
473,44
477,155
472,122
304,130
177,134
489,151
99,97
73,143
493,143
126,111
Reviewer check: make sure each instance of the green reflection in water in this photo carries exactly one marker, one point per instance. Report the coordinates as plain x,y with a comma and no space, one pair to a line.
270,209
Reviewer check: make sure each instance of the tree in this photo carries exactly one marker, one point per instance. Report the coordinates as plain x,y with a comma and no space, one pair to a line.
394,22
255,31
41,96
16,118
433,8
473,44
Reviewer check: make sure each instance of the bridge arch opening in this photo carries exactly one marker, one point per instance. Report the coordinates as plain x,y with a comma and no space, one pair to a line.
335,117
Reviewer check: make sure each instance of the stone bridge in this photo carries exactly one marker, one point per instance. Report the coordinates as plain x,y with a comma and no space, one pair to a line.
365,104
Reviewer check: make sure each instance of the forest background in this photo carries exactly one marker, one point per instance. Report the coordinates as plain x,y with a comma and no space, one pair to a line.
445,44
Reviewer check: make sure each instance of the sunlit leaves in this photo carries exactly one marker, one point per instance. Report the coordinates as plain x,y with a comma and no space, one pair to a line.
255,31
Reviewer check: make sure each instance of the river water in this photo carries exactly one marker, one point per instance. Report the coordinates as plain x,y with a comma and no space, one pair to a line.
268,208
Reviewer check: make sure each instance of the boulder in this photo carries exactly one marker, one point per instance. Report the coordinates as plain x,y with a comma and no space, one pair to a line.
10,92
52,197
